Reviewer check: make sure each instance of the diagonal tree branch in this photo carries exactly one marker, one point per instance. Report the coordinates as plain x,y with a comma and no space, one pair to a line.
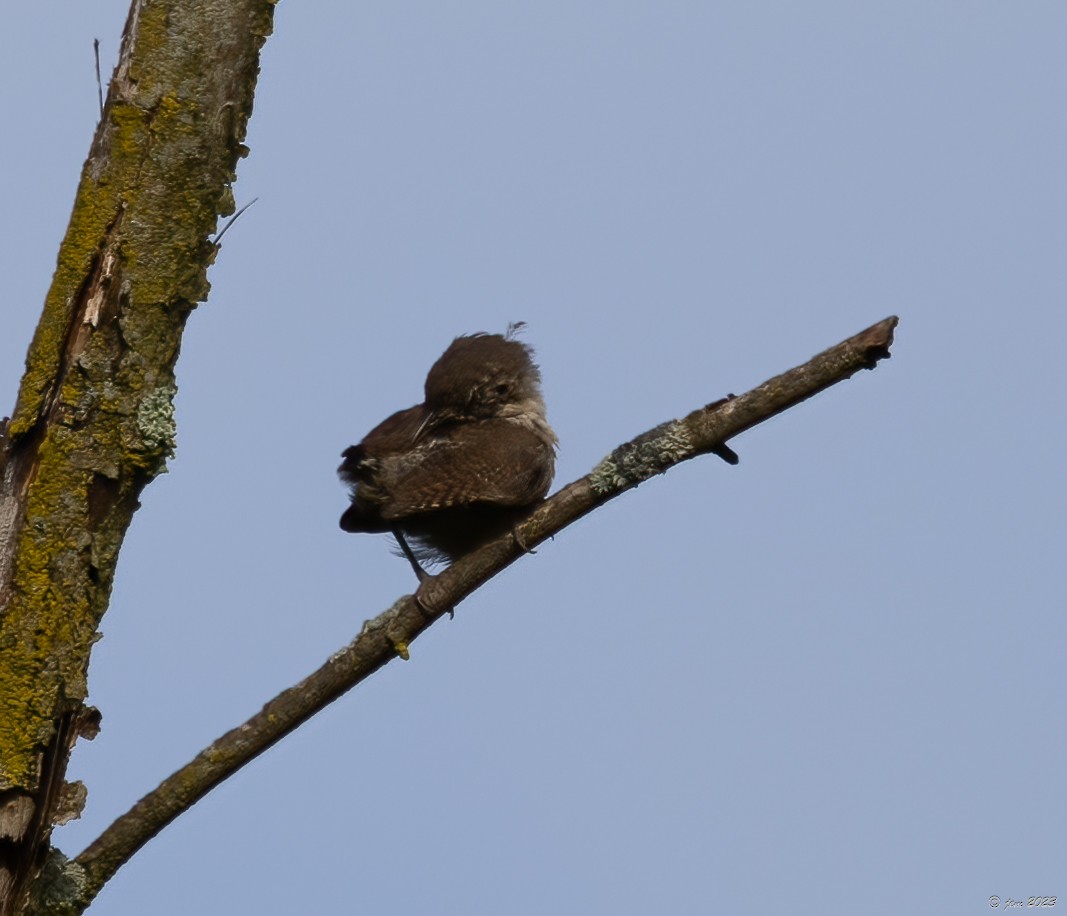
390,634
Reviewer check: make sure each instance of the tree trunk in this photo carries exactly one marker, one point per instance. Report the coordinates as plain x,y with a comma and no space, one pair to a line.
94,419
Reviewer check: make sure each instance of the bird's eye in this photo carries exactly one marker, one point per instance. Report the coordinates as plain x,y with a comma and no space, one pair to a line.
500,390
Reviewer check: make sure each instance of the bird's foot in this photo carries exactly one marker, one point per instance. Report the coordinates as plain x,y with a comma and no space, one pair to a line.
521,541
429,611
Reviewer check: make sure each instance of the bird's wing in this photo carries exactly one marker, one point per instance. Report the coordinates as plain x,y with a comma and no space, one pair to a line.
496,462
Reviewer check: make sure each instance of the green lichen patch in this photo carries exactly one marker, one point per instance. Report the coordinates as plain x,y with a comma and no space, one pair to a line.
62,887
649,454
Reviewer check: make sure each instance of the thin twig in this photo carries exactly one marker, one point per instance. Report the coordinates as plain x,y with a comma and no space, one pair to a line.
232,220
389,635
99,84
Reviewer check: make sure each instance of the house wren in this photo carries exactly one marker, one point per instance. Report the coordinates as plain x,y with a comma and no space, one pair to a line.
465,465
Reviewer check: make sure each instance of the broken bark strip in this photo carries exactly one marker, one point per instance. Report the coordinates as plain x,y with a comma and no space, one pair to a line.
390,634
94,419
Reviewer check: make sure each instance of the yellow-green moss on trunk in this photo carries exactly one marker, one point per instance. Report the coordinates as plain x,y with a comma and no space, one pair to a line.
94,419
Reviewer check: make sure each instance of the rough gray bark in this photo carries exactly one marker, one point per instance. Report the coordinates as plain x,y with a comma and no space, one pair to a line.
94,420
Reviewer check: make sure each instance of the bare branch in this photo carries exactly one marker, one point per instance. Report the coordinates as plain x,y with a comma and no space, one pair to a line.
390,634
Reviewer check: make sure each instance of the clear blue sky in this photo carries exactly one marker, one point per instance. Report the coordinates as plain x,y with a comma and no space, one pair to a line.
829,680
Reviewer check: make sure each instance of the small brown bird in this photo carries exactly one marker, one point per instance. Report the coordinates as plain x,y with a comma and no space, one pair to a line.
465,465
